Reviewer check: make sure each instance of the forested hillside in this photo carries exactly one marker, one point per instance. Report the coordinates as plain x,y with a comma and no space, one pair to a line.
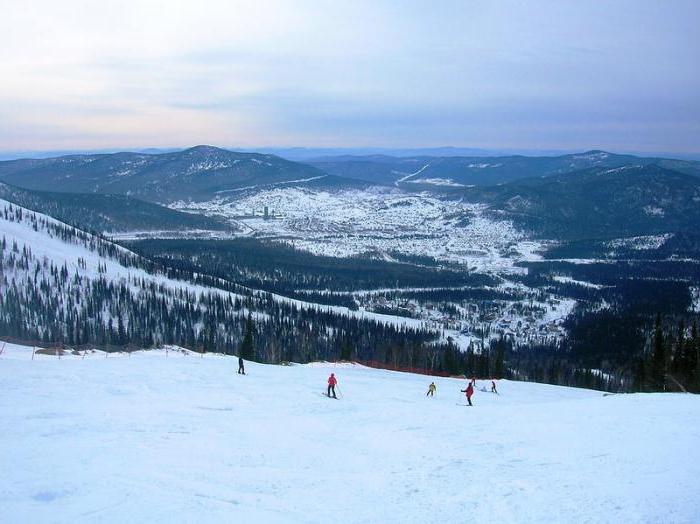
280,268
63,285
109,213
599,203
436,170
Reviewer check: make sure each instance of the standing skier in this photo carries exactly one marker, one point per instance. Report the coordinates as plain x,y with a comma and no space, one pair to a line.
431,390
241,367
332,381
469,391
493,387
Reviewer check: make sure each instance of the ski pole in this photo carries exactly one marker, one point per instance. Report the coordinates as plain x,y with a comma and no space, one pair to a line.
339,392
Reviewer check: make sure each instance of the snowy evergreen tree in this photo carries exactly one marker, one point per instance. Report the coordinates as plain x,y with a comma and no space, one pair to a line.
640,376
658,360
346,351
247,349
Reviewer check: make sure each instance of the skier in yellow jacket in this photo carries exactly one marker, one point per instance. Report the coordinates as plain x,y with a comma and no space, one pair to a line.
431,389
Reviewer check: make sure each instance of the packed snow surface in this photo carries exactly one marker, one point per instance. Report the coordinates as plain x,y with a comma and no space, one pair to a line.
179,438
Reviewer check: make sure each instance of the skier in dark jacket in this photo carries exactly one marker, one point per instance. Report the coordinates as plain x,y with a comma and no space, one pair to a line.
493,387
332,381
469,391
241,367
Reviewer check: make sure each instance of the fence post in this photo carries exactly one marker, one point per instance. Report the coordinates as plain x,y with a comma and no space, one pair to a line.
3,348
33,350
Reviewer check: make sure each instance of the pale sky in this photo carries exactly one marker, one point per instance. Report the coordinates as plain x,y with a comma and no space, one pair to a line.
615,75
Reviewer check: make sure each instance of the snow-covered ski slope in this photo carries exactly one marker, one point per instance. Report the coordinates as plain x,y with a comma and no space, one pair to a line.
185,439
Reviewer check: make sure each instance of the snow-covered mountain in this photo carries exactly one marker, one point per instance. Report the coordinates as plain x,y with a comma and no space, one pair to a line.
65,285
156,437
594,191
197,173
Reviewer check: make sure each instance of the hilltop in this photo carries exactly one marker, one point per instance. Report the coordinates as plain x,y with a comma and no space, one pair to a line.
197,173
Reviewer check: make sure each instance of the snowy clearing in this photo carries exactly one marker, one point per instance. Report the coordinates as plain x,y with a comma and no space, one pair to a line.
378,220
568,280
641,243
184,439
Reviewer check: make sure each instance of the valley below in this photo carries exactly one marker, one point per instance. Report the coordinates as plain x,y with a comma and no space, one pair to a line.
515,271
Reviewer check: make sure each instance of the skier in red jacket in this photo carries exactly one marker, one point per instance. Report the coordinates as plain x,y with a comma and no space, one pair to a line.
332,381
469,391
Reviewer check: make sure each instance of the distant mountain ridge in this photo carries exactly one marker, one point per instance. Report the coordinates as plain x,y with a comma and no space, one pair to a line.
585,196
599,202
198,173
455,171
206,172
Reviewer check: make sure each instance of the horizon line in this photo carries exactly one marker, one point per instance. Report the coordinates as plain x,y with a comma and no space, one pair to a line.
14,154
